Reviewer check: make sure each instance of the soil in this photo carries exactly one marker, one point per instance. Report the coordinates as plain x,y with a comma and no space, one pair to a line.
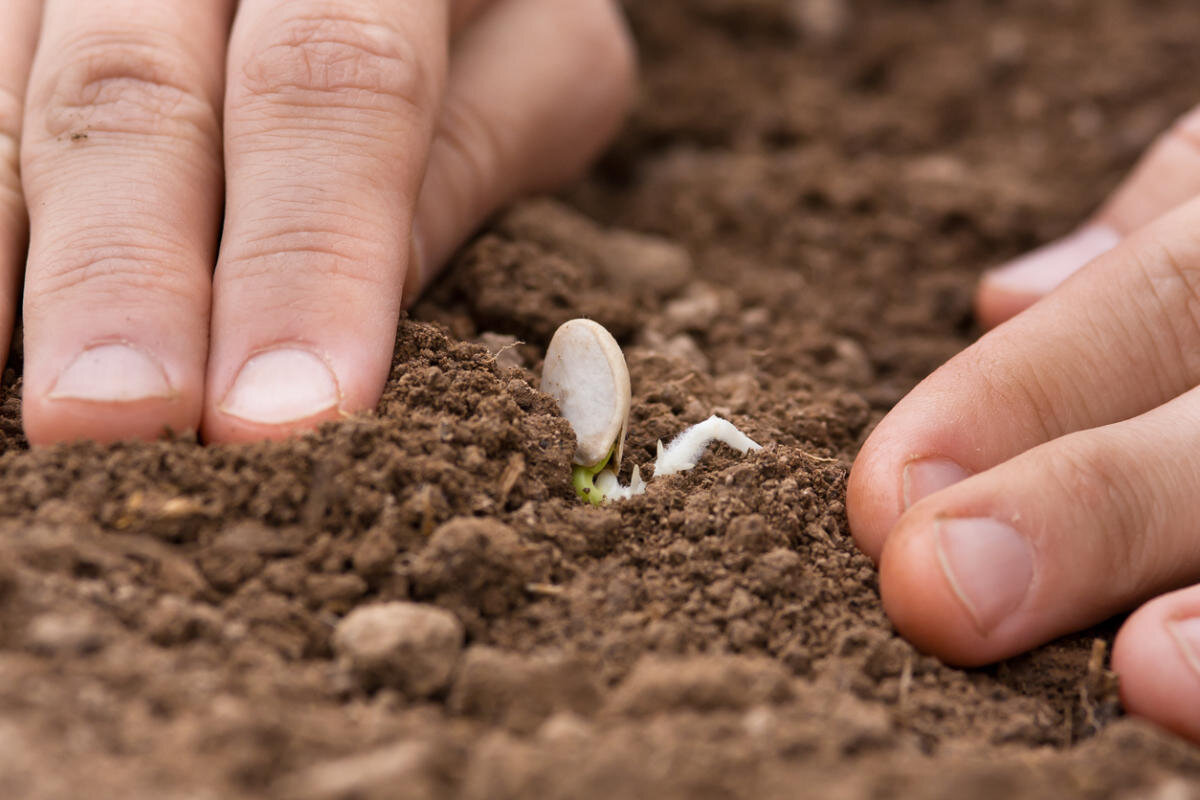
787,233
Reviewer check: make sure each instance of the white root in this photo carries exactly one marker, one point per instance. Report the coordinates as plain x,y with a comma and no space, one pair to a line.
682,454
686,449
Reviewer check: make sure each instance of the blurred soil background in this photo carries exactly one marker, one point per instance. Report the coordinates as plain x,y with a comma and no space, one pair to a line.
412,603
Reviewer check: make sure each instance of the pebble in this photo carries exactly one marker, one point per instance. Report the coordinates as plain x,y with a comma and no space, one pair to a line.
406,646
64,634
822,20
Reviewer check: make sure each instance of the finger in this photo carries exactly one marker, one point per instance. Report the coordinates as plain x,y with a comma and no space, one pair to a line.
356,300
1054,540
464,12
1157,658
329,112
122,172
537,88
23,18
1112,343
1166,177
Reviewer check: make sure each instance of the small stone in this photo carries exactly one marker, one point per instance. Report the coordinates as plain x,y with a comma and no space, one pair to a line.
824,21
681,346
565,727
64,634
756,320
406,646
642,261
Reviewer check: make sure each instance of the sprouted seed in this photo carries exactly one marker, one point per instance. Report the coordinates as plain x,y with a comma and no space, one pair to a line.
586,373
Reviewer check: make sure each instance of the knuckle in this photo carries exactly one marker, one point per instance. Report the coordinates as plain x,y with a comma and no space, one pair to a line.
1117,531
275,258
1171,271
473,150
115,274
127,83
335,60
1009,383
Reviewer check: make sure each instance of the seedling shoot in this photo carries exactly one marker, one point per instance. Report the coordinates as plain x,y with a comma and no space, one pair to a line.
586,373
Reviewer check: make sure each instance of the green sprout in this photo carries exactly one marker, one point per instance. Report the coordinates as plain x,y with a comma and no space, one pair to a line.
584,480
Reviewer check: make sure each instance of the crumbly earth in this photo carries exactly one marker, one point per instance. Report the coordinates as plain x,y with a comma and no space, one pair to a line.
787,234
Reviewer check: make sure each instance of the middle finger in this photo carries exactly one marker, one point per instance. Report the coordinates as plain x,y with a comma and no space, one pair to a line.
330,112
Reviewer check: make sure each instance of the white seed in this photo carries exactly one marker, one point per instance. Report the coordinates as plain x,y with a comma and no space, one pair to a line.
586,373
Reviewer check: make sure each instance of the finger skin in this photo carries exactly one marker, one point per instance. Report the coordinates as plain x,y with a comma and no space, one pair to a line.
1158,666
22,19
1167,176
330,110
537,88
1005,292
1105,514
1053,370
122,173
464,12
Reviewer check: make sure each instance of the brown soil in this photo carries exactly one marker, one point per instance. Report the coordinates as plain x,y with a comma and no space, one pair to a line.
788,234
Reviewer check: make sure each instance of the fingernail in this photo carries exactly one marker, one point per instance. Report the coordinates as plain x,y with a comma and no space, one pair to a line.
988,564
283,385
1186,633
925,476
112,373
1045,268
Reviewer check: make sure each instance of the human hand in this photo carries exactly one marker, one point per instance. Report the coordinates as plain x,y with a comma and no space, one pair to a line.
1047,477
329,129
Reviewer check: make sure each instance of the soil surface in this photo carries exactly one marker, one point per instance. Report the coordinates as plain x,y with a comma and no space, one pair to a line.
787,234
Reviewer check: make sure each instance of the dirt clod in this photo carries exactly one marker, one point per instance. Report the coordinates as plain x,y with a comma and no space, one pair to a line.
404,646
